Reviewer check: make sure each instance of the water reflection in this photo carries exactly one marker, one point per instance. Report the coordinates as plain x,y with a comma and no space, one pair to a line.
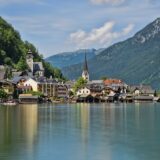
80,131
18,126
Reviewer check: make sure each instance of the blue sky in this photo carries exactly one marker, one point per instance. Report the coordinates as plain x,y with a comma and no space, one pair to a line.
56,26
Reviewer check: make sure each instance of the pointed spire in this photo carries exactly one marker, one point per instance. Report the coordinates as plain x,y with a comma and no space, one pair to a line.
85,67
85,73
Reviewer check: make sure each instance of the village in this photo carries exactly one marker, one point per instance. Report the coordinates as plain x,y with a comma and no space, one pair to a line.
32,86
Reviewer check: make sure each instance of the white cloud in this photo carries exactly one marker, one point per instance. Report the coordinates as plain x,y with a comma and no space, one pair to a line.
101,37
112,2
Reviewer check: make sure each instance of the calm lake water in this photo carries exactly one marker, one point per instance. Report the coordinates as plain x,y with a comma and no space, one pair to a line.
80,132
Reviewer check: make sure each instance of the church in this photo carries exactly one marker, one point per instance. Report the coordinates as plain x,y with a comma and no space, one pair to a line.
35,68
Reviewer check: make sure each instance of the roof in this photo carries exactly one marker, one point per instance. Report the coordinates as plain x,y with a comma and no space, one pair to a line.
84,87
38,66
145,89
112,81
16,79
96,82
45,80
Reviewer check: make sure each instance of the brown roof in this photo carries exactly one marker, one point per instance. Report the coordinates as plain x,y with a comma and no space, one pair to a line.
112,81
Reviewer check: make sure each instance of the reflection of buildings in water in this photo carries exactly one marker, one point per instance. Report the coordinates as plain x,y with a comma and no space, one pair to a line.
29,122
137,114
108,114
83,118
84,125
18,127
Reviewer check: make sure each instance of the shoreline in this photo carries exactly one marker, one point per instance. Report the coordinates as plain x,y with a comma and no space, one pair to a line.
116,102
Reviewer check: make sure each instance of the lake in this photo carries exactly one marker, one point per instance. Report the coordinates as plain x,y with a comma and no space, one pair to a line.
80,132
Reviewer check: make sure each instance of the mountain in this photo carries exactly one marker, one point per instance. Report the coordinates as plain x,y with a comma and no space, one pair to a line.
70,58
135,60
13,51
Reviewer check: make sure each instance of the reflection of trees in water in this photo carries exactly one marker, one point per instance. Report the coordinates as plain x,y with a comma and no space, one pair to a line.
18,129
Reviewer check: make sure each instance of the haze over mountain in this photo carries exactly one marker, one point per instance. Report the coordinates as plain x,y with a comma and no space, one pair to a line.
135,60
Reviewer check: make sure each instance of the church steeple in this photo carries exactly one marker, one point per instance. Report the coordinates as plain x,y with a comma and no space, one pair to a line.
29,60
85,67
85,73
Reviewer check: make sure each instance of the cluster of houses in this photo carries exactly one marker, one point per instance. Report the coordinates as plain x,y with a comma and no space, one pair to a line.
33,80
111,90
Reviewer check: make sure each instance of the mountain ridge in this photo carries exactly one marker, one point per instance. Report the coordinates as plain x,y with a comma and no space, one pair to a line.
61,60
135,60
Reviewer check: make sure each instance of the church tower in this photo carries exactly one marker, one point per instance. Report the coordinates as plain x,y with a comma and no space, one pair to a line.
29,60
85,73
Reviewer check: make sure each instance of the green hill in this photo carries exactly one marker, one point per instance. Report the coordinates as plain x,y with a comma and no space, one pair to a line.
13,50
135,60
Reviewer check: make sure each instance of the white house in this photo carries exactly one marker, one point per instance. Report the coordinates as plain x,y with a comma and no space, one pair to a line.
83,91
33,83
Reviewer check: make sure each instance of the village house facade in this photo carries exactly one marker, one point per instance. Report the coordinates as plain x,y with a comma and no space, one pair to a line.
84,91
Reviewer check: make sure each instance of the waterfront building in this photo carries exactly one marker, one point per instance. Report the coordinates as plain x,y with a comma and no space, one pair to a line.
62,91
28,99
43,85
84,91
142,90
116,85
85,73
96,87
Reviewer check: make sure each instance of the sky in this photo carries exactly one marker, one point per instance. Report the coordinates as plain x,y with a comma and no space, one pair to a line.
56,26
